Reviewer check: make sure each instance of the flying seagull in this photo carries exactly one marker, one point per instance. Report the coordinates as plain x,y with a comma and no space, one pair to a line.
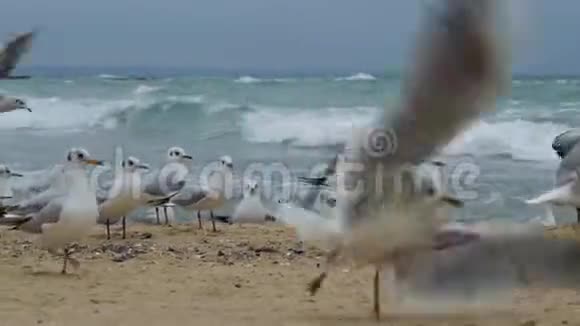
458,73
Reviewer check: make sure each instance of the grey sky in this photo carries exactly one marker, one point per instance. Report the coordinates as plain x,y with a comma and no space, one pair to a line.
358,35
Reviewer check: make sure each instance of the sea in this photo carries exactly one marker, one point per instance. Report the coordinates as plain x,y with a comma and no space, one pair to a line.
297,121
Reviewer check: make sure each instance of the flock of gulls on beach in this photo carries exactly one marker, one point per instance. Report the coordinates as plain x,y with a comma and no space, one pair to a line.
354,209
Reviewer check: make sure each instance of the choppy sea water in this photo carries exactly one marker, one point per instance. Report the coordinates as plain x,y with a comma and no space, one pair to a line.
297,122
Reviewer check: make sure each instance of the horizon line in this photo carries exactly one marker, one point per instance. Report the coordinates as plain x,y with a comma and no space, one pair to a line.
287,72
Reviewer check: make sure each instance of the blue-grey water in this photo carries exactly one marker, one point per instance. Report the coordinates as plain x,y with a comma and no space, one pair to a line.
297,121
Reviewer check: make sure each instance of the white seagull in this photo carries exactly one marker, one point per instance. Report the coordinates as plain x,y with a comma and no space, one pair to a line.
206,197
168,180
567,189
8,104
6,176
459,72
68,216
251,209
123,196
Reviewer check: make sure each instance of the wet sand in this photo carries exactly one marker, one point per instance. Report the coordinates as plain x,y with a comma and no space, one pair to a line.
242,275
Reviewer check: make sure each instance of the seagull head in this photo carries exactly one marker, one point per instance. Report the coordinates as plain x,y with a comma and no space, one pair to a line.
132,164
178,154
227,162
82,157
6,173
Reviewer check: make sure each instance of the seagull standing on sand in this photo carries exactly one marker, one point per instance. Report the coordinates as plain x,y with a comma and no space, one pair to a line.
6,175
168,180
68,216
123,197
377,221
52,186
210,197
6,194
251,209
565,145
8,104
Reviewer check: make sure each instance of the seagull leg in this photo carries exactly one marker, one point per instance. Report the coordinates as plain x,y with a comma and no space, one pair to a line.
376,294
65,260
124,221
212,221
165,213
157,215
108,224
316,283
200,226
578,215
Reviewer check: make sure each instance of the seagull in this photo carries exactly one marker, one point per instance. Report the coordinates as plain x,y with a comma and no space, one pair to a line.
565,145
565,142
567,189
123,195
377,222
251,209
315,215
322,178
209,197
69,215
6,176
168,180
8,104
6,194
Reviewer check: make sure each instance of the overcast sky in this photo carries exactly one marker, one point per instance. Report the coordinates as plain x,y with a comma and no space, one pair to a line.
357,35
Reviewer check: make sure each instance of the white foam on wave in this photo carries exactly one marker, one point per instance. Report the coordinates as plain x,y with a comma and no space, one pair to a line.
77,114
301,127
569,104
221,106
109,76
248,80
254,80
191,99
358,77
520,139
146,89
66,114
517,139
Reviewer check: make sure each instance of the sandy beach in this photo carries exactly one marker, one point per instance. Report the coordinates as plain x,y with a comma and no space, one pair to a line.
242,275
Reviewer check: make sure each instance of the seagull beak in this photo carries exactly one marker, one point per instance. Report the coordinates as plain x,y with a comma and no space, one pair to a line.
455,202
230,165
95,162
187,157
17,175
314,181
143,166
438,163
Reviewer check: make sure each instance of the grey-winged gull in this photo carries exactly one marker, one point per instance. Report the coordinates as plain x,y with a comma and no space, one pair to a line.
69,215
122,196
